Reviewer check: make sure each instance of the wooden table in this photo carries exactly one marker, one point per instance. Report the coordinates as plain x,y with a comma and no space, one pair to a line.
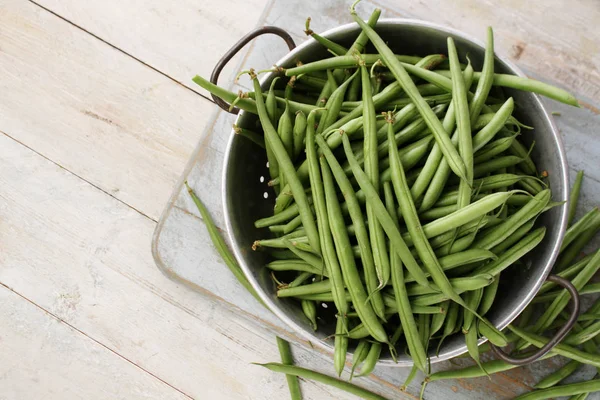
97,119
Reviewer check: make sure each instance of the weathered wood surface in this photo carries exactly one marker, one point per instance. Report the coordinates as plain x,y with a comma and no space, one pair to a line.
95,132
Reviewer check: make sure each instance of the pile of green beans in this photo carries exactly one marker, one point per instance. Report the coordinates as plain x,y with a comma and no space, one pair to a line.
403,193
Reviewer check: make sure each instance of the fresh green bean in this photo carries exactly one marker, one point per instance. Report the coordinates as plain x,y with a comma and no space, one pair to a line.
584,335
286,359
579,227
340,345
334,105
362,349
360,331
382,215
317,376
299,133
402,303
329,256
346,258
574,197
292,265
472,348
574,249
514,222
495,165
492,149
309,308
253,136
371,165
221,246
440,134
463,124
560,349
371,360
459,284
562,390
329,44
486,78
526,84
449,324
287,168
472,299
285,130
494,336
512,254
514,237
489,295
323,286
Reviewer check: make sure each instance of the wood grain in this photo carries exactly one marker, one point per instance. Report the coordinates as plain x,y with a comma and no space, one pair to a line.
43,358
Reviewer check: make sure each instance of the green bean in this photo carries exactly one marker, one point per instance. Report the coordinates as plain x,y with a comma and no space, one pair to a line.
489,295
397,334
329,44
575,248
225,95
382,215
512,254
590,288
371,359
329,256
299,133
472,348
463,124
360,331
449,324
474,371
560,349
459,284
317,376
584,335
495,165
371,165
472,299
479,140
492,149
437,321
345,256
285,215
369,59
362,349
292,225
300,243
567,273
514,237
323,297
514,222
292,265
271,102
411,376
253,136
574,197
517,149
435,298
221,246
440,134
285,130
361,233
562,390
580,226
334,105
435,156
323,286
581,396
424,327
494,336
486,78
353,93
515,200
528,85
340,345
403,305
310,258
309,309
286,359
287,168
300,279
463,216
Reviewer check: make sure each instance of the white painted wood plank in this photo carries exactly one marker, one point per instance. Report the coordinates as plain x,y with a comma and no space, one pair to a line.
85,257
43,358
181,38
93,110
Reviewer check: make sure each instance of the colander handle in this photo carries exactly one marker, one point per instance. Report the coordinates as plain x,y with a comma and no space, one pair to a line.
560,335
237,47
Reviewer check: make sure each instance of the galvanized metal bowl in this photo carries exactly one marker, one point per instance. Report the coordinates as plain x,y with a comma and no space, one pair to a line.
247,196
